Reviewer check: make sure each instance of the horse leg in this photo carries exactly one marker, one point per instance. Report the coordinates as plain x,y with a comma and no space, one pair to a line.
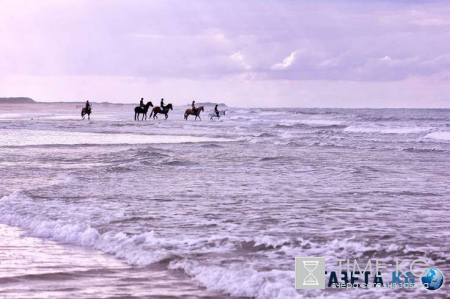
167,116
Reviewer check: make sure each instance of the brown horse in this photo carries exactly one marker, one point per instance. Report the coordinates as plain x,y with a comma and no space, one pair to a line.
157,110
84,112
191,112
138,110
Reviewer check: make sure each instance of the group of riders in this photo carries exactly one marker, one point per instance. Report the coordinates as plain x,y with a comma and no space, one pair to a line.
87,107
142,105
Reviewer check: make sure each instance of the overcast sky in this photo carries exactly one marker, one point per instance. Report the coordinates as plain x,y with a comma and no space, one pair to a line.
244,53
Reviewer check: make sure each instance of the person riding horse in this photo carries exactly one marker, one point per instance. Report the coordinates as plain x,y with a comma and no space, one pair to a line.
193,111
142,110
193,108
86,110
141,103
157,110
88,106
216,110
162,104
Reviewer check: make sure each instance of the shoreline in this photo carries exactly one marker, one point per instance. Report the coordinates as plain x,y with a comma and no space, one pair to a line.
32,267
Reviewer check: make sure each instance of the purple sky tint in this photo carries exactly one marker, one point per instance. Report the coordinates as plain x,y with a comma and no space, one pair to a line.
244,53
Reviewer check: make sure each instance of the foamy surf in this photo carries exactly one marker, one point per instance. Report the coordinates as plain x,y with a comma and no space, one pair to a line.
148,248
438,136
30,138
137,250
387,130
40,268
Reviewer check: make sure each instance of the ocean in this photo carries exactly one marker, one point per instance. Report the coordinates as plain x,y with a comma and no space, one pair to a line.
116,208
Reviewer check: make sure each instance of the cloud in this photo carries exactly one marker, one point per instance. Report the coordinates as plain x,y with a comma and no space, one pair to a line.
207,39
240,58
286,63
387,60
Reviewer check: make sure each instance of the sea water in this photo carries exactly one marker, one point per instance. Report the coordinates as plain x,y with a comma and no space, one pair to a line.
215,209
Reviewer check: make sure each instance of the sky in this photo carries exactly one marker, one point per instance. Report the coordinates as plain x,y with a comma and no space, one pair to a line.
246,53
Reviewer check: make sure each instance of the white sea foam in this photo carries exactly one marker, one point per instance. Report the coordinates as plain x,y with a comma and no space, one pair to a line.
271,113
14,207
147,248
445,136
386,130
38,219
270,241
239,281
44,137
10,115
312,122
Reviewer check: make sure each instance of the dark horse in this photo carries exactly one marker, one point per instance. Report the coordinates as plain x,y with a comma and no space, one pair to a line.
84,112
138,110
157,110
191,112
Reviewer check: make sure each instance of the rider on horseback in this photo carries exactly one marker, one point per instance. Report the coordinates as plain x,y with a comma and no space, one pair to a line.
88,106
162,104
216,110
141,103
193,108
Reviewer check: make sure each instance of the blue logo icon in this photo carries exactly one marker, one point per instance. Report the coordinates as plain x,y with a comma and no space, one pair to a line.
432,279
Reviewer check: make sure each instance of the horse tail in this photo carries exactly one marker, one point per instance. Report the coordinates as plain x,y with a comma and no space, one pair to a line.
185,115
151,113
